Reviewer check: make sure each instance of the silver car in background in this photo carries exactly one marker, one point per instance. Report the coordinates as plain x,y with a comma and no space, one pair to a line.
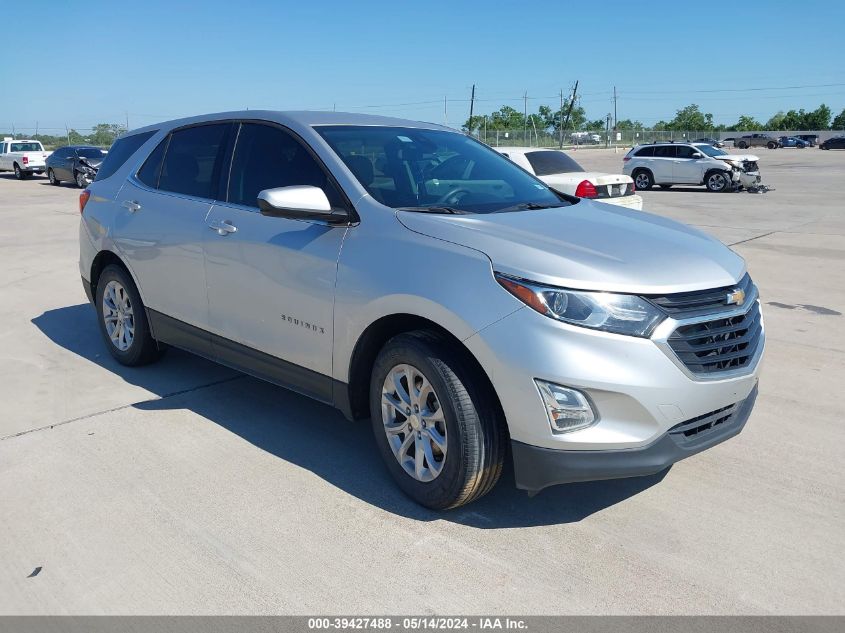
409,274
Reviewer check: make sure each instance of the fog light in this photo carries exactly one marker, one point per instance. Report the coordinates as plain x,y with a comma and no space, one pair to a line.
567,409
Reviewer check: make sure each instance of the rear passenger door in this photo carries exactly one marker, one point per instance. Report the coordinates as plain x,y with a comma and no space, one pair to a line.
164,208
271,280
662,163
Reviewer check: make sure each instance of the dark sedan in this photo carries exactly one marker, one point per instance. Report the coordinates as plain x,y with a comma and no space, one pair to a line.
837,142
75,163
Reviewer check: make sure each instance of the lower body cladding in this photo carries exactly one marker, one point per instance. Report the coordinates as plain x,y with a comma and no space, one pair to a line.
647,411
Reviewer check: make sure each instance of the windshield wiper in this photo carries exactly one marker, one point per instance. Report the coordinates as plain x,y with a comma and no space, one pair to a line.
449,210
529,206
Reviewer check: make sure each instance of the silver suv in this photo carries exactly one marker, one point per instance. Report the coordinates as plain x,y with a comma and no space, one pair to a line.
409,274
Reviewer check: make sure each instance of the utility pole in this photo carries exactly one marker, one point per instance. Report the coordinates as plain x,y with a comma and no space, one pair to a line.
445,114
607,131
560,122
615,120
36,130
571,103
525,120
127,120
67,131
471,106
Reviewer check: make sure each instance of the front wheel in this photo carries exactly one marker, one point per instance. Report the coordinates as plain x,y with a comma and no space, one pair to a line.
643,180
717,181
123,319
436,427
81,183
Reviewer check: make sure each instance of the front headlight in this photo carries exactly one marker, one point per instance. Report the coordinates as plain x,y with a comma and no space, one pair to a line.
606,311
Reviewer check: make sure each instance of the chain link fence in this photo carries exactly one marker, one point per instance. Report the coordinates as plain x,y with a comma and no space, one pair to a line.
587,138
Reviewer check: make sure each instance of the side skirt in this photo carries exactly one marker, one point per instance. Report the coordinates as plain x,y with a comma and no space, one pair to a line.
249,360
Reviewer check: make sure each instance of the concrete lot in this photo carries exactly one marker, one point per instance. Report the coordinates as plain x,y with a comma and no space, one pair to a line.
185,487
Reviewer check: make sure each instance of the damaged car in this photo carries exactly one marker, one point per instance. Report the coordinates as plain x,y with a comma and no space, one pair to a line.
75,163
667,164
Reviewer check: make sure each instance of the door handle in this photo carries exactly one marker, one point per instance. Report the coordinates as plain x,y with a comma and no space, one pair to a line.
131,205
223,227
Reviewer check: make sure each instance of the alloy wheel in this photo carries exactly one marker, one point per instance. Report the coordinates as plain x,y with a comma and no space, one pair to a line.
118,316
413,422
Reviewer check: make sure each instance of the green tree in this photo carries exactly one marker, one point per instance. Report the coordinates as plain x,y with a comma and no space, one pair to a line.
691,118
747,124
839,121
628,124
777,121
818,119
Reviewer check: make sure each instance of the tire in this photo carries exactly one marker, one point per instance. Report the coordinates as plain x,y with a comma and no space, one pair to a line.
52,176
717,181
79,179
772,145
643,179
463,418
19,173
665,186
142,349
742,145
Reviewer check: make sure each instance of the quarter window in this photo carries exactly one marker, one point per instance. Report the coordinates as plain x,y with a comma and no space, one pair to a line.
267,157
193,160
646,151
120,152
148,174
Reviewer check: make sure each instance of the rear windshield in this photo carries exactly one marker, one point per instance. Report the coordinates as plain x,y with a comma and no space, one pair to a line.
551,162
27,147
120,152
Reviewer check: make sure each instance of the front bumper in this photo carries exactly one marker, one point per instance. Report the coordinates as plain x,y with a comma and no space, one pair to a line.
537,468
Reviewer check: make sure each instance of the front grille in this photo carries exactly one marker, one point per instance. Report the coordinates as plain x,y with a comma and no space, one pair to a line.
683,305
697,429
721,344
750,166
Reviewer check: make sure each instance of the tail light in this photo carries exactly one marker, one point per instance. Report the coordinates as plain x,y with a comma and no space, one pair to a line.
633,187
586,189
625,159
83,200
26,160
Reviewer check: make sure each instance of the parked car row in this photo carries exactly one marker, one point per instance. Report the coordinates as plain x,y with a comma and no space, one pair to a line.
72,163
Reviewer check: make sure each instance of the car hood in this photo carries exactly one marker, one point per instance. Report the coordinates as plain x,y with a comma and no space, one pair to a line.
590,246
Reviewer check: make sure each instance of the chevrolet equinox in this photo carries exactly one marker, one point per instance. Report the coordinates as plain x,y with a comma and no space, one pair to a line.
409,274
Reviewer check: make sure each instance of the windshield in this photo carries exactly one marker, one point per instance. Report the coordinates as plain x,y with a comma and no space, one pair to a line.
27,147
91,152
435,170
551,162
710,150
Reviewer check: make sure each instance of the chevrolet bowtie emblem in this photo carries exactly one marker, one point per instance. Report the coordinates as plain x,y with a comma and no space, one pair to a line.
737,296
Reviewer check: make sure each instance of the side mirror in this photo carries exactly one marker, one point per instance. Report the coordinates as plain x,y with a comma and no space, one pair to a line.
300,202
697,155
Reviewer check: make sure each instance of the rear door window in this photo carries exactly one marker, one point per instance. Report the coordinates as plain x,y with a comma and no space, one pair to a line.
664,151
120,152
194,159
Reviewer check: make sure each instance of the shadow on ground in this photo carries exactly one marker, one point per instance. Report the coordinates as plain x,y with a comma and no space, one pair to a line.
318,438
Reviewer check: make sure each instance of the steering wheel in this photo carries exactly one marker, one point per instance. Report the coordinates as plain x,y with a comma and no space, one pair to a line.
444,199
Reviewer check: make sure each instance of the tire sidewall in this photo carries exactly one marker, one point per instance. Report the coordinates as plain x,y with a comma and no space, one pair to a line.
51,175
647,174
132,355
438,493
724,178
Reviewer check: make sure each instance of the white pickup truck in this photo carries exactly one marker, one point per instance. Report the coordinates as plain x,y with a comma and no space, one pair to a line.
22,156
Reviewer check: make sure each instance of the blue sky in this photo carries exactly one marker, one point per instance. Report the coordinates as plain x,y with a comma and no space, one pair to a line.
160,59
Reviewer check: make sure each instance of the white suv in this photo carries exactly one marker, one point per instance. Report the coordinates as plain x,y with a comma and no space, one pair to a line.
667,164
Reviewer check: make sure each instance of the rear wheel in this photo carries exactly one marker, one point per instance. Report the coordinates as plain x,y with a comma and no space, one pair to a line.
19,173
717,181
435,423
123,319
742,145
52,176
643,180
772,145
